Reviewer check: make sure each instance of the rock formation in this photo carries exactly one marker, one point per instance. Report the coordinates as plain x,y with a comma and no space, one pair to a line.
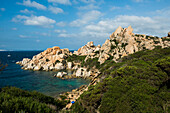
88,49
50,59
123,42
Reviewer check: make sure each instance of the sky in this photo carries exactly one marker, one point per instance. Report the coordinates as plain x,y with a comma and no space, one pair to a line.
41,24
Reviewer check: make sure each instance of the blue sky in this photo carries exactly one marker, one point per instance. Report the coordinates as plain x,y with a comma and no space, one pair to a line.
40,24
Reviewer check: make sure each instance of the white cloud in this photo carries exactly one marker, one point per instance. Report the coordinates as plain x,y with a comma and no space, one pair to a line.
33,4
55,10
26,11
86,18
67,35
14,29
2,9
88,1
75,1
34,20
127,7
64,2
162,12
45,34
61,24
59,31
138,0
37,41
145,25
88,7
116,7
100,31
23,36
19,18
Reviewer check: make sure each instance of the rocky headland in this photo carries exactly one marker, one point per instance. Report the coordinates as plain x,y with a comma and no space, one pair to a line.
122,42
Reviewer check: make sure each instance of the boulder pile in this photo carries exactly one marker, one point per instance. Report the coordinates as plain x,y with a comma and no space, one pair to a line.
50,59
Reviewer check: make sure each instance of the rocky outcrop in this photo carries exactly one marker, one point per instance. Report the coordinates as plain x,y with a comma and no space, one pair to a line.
123,42
82,72
50,59
88,49
60,74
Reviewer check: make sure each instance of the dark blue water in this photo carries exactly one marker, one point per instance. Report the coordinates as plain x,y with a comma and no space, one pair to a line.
40,81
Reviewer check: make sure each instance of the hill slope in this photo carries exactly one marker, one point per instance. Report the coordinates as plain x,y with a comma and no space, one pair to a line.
17,100
137,83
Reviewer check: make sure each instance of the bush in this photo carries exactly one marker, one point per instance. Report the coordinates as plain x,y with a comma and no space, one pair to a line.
75,58
13,99
139,83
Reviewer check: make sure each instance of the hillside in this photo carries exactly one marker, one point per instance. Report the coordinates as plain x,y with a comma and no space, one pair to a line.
137,83
15,100
129,73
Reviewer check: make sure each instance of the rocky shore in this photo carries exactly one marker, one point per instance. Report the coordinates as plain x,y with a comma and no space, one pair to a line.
122,42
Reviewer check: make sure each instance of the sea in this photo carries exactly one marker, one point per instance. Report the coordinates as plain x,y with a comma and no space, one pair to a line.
40,81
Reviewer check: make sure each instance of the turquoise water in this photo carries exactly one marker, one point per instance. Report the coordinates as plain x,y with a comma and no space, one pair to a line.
40,81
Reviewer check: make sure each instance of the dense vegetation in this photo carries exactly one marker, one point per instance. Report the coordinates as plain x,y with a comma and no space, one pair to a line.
16,100
137,83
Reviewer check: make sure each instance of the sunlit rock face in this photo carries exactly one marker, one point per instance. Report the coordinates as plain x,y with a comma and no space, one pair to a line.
123,42
50,59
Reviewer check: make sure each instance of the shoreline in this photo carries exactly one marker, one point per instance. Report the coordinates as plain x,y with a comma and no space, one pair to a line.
75,93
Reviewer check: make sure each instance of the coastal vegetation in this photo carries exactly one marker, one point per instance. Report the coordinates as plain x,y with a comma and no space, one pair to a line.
137,83
15,100
129,74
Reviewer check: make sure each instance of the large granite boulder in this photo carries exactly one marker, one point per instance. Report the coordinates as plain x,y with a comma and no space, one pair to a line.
82,72
59,66
47,60
87,49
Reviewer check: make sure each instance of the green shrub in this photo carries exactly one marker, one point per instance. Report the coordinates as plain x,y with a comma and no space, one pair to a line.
137,83
16,100
75,58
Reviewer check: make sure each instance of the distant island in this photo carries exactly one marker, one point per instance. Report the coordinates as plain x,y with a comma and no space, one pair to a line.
129,73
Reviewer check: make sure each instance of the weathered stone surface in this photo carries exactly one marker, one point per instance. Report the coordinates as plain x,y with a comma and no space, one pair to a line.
82,72
37,68
46,60
60,74
59,66
69,65
25,61
123,42
88,49
117,31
